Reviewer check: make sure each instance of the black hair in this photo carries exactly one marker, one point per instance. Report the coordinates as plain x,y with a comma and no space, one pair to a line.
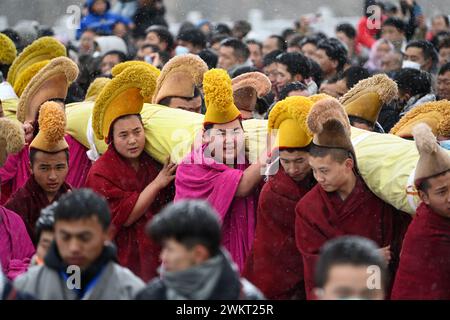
82,204
445,43
395,22
152,46
337,154
281,43
413,81
367,4
122,56
354,74
240,49
293,86
217,39
354,119
349,250
223,29
271,57
253,41
194,36
244,26
316,72
33,152
439,38
287,32
444,69
428,49
347,29
166,101
335,50
445,17
46,221
189,222
163,34
295,41
424,184
313,39
242,70
296,63
209,57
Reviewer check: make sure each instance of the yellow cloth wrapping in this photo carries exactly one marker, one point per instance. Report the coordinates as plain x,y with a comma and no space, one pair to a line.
386,162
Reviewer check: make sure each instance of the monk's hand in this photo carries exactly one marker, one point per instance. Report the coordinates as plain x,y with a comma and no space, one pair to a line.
28,129
167,174
386,253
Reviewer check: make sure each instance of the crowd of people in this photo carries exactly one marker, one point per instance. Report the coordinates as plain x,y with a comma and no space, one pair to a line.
213,226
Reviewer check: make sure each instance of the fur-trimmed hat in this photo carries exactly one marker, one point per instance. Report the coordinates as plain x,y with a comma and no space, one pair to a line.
95,88
435,114
52,128
433,159
219,100
289,117
123,95
368,96
12,138
330,126
45,48
179,77
256,80
51,82
8,50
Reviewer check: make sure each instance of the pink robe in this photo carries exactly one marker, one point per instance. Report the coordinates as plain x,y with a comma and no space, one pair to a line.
217,183
16,248
16,170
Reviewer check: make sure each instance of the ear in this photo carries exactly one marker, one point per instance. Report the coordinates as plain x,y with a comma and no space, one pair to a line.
424,197
201,254
349,164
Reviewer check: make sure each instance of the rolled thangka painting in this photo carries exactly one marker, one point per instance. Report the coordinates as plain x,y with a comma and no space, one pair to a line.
386,162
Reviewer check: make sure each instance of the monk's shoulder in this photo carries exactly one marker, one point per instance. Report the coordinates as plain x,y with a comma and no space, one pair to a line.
310,200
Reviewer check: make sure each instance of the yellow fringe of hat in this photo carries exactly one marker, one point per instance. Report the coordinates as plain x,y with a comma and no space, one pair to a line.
45,48
8,51
219,101
179,77
12,138
118,68
433,159
435,114
52,128
289,117
124,94
95,88
329,124
368,96
256,80
50,82
25,77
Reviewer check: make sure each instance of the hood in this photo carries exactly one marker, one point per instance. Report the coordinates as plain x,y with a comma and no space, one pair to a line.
90,3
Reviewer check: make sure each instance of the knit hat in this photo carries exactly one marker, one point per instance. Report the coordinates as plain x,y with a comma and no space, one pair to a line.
45,48
95,88
12,138
289,117
123,95
51,82
435,114
368,96
179,77
433,159
219,101
330,126
8,50
52,127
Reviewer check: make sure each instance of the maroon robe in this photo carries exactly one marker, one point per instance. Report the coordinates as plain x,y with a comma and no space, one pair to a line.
29,200
113,177
275,265
424,270
322,216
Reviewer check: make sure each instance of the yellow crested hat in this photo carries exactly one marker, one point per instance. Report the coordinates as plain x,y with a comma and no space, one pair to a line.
435,114
52,128
125,94
51,82
12,138
219,101
45,48
95,88
289,117
368,96
8,50
24,77
179,77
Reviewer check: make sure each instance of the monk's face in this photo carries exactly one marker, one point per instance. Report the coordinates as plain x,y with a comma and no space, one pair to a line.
295,164
192,105
226,141
177,257
50,171
346,281
332,175
129,137
80,241
437,196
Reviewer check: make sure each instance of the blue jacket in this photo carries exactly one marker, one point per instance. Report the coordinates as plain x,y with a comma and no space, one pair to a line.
102,24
